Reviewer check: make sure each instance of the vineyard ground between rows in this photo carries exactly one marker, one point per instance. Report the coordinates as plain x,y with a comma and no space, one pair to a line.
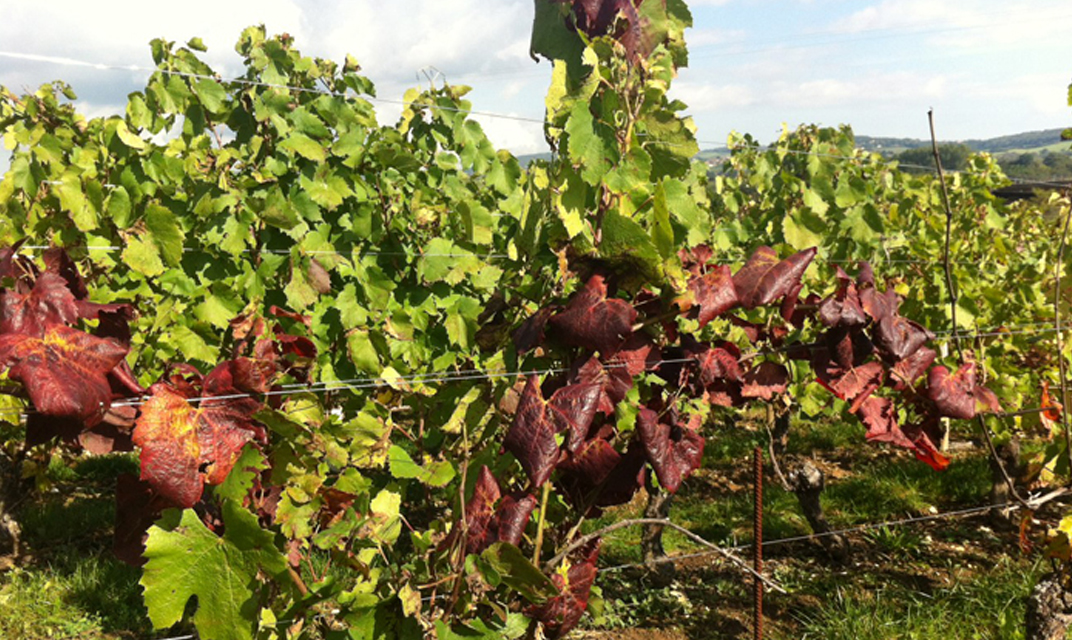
920,579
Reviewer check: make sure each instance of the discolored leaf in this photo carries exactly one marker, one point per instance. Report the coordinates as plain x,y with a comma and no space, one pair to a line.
718,362
593,321
512,516
65,371
561,613
897,337
854,385
592,463
714,292
953,395
879,416
531,437
186,445
765,381
843,308
530,334
764,278
479,512
50,302
905,373
674,452
614,382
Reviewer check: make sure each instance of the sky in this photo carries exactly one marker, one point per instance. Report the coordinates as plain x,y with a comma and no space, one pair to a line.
986,67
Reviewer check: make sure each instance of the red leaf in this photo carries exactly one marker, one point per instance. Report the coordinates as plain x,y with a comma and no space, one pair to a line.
843,308
531,437
880,418
719,362
614,382
593,321
479,511
1052,408
561,613
637,353
724,394
592,463
714,292
183,446
898,337
953,395
673,452
512,517
986,401
879,305
530,334
65,372
49,303
765,381
764,279
852,385
136,508
905,373
58,262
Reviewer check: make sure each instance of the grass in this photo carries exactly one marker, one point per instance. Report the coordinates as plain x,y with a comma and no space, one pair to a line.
982,604
70,585
954,578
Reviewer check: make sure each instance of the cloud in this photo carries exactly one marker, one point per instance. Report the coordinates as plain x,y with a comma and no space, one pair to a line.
711,97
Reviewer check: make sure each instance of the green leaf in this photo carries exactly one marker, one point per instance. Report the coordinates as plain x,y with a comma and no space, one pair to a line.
191,345
803,229
385,516
128,137
591,144
515,571
362,352
185,560
240,480
211,94
661,231
117,207
402,466
304,146
143,257
74,201
626,243
166,232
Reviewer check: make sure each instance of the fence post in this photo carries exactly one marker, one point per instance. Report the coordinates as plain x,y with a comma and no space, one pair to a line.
757,545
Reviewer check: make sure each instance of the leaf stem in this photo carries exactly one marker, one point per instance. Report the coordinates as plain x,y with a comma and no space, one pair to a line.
541,523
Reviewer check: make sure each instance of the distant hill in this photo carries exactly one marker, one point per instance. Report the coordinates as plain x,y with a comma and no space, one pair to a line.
1048,140
1030,141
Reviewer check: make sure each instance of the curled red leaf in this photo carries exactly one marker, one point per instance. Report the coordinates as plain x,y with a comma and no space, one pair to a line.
674,452
593,321
531,437
561,613
953,394
765,381
764,278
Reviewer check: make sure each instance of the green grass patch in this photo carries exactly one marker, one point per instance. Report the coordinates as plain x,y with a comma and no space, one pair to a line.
984,603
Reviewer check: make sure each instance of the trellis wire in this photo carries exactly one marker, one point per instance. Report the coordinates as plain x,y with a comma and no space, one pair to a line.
815,536
113,248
